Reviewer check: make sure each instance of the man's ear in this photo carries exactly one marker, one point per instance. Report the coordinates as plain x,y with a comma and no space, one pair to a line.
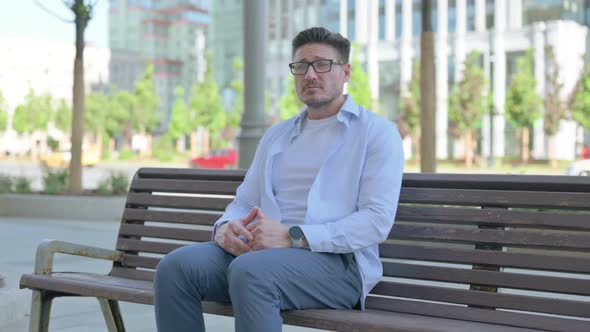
347,70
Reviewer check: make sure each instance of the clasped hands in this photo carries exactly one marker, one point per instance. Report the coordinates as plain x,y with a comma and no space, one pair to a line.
259,231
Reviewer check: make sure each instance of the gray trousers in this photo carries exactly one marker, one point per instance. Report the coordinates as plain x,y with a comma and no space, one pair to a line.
258,284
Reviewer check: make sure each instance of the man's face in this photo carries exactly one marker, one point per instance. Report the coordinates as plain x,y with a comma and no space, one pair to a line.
318,89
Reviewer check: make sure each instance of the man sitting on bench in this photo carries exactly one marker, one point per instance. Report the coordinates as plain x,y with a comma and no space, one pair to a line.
304,227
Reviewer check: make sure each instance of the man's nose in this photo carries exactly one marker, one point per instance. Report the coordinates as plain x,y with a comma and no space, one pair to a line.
311,74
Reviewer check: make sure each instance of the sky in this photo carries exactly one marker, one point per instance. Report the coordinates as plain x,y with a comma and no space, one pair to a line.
25,18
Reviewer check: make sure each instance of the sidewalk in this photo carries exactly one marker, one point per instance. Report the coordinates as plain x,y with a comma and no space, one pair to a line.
18,241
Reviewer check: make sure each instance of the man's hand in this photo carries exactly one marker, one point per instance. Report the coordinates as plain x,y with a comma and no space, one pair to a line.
268,233
227,236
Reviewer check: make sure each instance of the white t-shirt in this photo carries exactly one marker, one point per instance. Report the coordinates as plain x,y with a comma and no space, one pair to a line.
295,170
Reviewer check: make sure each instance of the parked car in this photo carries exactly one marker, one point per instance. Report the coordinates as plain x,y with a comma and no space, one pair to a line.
60,159
227,158
579,167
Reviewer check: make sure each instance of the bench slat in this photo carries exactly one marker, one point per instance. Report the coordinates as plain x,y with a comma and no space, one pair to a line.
512,237
493,217
488,278
516,319
132,273
500,198
146,246
191,174
185,186
140,261
165,232
487,299
189,218
178,202
559,263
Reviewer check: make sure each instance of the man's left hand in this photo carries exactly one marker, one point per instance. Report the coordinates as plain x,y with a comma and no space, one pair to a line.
268,233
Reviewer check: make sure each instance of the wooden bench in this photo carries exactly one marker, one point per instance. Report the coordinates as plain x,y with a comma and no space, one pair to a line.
467,253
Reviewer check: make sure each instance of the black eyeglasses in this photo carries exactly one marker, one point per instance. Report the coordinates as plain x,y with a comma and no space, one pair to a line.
319,66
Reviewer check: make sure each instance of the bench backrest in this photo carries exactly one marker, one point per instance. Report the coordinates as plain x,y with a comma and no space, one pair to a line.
503,249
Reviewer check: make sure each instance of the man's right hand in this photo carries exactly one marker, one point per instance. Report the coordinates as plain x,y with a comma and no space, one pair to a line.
227,236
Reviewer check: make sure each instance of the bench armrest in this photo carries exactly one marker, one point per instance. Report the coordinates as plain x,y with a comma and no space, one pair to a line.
48,248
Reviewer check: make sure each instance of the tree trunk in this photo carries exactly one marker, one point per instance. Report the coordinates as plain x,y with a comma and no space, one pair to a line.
552,152
78,103
427,92
194,148
468,141
525,145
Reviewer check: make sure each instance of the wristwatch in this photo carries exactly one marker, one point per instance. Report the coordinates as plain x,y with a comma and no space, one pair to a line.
296,235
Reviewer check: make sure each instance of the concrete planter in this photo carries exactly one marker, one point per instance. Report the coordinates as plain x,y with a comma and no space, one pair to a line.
62,207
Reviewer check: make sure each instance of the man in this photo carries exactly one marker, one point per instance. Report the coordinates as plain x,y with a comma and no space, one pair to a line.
304,227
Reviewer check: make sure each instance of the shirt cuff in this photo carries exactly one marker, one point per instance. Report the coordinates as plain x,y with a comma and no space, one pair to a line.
317,237
217,225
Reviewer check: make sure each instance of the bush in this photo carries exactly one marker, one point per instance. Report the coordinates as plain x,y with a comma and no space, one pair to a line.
55,181
116,183
5,184
126,154
52,143
164,149
22,185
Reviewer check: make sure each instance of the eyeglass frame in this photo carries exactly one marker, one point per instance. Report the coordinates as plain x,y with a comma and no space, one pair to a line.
312,64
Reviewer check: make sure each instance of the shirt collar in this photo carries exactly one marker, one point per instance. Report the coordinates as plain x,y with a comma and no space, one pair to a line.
349,109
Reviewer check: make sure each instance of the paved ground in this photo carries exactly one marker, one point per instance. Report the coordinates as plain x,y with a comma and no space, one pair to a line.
18,241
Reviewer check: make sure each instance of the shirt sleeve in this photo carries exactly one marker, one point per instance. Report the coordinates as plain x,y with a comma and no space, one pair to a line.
380,185
248,193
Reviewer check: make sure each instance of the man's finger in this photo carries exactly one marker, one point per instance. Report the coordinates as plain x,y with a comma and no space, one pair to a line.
259,214
251,215
241,230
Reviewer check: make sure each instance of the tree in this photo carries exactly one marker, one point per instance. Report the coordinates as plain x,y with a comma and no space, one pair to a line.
555,106
63,117
34,114
289,102
146,104
82,15
3,113
358,87
523,104
237,85
206,110
581,100
409,116
468,104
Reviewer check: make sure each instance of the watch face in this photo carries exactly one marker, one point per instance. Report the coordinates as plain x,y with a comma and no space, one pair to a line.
295,232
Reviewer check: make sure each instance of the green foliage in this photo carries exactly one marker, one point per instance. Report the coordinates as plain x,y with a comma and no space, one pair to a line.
409,117
5,184
290,103
126,154
359,87
468,102
146,103
235,113
114,184
3,113
96,113
205,107
523,104
179,121
55,181
164,148
33,114
63,117
22,185
52,143
119,113
555,106
581,102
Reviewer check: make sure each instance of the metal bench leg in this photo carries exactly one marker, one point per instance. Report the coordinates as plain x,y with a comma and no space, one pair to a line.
112,315
40,309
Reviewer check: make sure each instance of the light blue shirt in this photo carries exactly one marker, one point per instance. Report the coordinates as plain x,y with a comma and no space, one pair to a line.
352,203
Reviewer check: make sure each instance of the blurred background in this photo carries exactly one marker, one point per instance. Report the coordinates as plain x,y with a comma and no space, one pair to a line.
164,80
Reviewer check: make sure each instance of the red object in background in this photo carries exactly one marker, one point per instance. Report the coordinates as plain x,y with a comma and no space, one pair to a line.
585,153
219,159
